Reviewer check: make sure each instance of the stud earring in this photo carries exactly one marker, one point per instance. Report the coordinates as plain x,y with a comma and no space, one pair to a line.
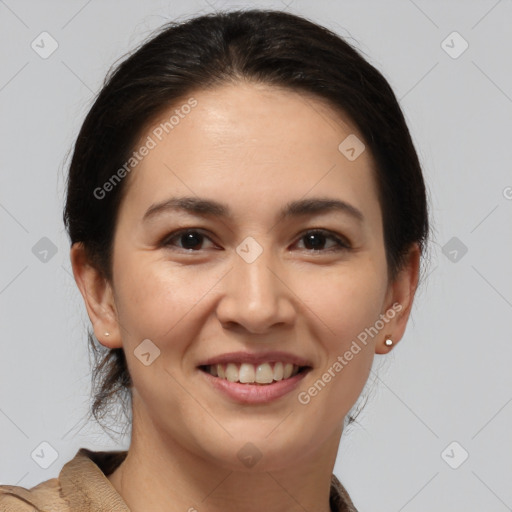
107,334
388,342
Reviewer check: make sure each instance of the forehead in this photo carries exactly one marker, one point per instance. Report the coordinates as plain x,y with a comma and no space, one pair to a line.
245,142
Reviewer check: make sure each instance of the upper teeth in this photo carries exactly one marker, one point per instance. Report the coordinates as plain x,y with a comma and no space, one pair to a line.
251,373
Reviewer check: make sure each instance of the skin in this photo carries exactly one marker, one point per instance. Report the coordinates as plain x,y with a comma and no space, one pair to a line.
254,148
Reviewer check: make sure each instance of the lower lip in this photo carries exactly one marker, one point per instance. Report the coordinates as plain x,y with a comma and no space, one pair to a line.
255,393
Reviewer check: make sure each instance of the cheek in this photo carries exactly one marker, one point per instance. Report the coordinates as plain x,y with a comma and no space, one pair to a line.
160,302
345,306
345,301
156,299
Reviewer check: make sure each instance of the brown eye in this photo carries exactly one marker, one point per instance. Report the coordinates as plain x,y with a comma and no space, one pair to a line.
189,239
314,240
317,239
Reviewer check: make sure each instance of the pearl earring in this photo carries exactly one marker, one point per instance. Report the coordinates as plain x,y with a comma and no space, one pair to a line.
388,342
107,334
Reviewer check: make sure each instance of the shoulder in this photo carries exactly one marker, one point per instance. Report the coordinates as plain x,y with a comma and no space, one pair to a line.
82,485
42,497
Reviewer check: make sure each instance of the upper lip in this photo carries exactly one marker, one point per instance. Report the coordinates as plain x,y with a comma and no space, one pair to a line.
256,358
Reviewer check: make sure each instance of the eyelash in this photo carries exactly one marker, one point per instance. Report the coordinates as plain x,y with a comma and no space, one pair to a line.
342,244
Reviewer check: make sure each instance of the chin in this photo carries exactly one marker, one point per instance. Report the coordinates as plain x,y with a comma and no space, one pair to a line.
260,452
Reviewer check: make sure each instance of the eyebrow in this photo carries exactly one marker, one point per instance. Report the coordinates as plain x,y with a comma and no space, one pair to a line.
210,208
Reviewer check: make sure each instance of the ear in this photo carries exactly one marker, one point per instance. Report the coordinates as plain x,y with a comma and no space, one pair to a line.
98,297
399,300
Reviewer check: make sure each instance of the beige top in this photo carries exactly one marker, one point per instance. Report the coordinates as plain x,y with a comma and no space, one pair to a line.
83,486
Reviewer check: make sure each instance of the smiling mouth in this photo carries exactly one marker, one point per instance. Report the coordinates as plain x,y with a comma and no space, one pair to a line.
259,374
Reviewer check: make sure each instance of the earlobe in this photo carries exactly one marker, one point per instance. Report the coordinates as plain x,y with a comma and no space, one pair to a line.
385,344
98,297
399,301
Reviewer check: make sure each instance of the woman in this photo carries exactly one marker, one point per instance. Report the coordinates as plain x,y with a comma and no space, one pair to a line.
247,216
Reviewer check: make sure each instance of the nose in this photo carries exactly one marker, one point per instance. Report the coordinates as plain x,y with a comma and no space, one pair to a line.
256,295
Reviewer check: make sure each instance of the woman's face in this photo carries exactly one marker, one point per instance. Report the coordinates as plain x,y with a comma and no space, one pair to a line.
260,272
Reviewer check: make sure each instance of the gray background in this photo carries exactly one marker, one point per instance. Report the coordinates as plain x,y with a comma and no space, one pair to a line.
448,380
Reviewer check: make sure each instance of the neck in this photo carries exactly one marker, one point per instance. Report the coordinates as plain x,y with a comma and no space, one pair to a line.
160,474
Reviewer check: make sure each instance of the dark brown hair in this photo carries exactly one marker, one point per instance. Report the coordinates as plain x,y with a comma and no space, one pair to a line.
261,46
